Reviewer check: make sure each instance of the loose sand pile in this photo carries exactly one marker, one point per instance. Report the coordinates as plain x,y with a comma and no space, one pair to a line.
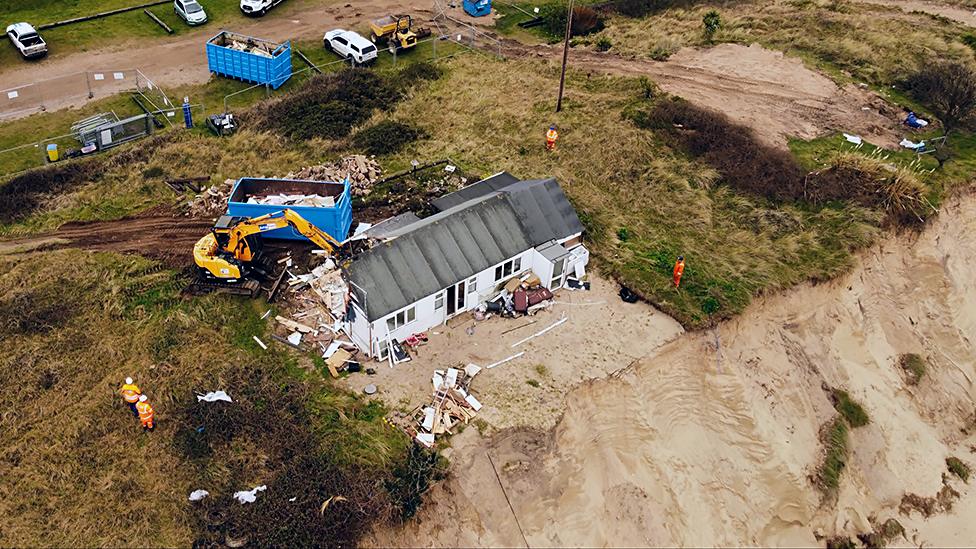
713,438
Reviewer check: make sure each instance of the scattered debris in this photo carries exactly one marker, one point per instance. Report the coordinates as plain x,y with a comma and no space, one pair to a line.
312,200
249,496
362,172
451,403
210,202
370,389
853,139
260,343
500,362
541,332
628,295
214,396
198,495
326,503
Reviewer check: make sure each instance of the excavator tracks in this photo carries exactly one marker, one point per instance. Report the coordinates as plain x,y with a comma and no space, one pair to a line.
249,288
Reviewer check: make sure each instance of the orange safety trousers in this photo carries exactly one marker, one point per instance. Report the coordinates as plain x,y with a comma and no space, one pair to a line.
145,414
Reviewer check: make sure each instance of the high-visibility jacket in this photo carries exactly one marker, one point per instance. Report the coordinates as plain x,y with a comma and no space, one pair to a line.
145,412
552,135
679,269
130,392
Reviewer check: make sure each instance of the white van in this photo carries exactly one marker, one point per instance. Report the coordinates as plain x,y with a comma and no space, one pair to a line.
350,45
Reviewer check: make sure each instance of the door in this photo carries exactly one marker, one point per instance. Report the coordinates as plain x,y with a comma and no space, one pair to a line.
456,296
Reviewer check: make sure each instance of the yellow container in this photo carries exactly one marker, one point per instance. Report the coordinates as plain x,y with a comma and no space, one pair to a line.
52,152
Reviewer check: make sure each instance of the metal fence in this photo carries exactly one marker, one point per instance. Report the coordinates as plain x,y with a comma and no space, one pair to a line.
66,91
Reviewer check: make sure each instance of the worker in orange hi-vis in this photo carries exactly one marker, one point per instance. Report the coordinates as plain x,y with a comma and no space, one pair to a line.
130,394
145,413
679,269
551,136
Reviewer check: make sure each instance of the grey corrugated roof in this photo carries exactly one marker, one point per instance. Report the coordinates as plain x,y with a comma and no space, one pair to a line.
384,228
482,188
443,249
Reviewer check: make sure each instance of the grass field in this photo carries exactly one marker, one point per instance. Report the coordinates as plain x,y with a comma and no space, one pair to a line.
79,471
115,29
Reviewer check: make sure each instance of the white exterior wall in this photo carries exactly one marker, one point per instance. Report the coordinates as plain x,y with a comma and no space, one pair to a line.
426,317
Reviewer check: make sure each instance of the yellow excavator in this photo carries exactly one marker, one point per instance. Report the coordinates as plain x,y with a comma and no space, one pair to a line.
229,257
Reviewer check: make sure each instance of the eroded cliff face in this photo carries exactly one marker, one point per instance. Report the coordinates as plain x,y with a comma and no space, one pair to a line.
715,438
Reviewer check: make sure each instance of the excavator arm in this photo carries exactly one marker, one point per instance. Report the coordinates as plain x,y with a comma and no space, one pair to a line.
225,250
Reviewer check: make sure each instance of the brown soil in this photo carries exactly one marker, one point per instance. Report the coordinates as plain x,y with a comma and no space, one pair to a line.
957,13
775,95
165,238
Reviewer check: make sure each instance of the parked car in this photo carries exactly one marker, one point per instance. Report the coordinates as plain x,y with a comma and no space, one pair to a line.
258,7
350,45
190,11
25,38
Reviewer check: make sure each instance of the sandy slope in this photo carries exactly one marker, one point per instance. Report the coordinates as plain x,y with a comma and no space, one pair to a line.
705,444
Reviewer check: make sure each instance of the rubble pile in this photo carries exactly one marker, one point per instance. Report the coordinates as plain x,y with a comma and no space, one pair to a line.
451,403
362,171
211,202
312,200
319,301
521,295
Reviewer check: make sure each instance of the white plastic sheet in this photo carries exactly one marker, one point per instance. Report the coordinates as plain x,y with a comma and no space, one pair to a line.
248,496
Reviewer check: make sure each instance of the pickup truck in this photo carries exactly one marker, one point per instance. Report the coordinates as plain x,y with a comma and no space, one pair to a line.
258,7
350,45
26,39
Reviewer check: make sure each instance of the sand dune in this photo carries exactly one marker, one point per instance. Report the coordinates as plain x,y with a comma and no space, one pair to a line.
713,439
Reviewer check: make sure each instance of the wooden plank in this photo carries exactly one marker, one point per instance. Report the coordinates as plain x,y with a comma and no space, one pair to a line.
100,15
158,21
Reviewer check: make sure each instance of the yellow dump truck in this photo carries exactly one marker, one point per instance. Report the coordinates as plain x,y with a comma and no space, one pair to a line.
395,30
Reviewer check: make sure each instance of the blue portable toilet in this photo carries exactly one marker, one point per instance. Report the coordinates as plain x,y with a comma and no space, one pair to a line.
477,8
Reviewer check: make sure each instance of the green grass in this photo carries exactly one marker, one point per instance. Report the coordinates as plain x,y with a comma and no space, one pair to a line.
957,467
835,459
80,331
533,383
130,26
914,366
852,412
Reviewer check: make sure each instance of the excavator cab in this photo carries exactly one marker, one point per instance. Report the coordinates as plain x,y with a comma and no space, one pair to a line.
248,247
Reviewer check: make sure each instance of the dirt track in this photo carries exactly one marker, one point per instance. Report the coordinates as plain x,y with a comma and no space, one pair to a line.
162,237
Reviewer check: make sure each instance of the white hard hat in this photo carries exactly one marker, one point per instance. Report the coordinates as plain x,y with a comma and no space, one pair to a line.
128,380
143,398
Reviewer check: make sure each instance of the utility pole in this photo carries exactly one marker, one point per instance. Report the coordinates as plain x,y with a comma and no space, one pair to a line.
562,75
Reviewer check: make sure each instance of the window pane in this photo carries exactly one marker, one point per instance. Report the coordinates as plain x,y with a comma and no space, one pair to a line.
498,273
439,301
472,284
411,314
508,268
518,264
400,318
391,324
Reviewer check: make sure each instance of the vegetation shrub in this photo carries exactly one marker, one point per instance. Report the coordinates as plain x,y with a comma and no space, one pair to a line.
640,8
314,494
957,467
849,409
914,366
835,439
948,88
412,479
870,182
585,20
36,311
603,44
415,73
386,137
743,162
329,105
25,193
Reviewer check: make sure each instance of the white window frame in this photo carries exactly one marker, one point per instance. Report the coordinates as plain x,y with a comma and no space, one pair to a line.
508,268
439,301
401,318
472,284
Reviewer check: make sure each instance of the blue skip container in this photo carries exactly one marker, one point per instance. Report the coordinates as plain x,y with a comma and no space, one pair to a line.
335,220
249,59
477,8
